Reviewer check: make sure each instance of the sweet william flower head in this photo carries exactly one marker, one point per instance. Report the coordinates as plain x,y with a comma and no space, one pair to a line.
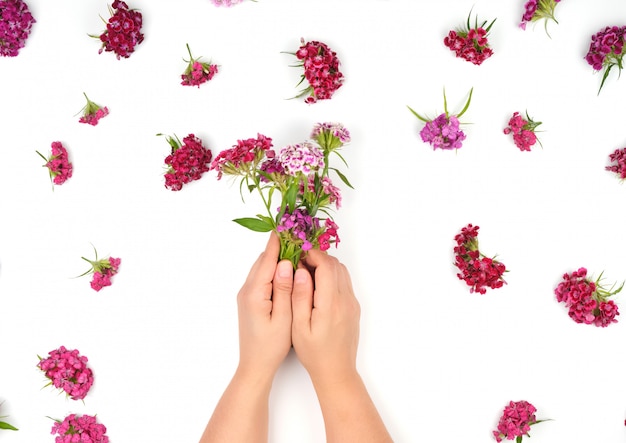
321,71
16,22
92,112
187,162
535,10
79,429
226,3
197,72
471,42
123,30
516,420
523,131
302,158
59,166
243,157
103,270
606,51
67,370
618,163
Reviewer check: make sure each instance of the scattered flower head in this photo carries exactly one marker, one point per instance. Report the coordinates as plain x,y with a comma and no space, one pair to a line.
92,112
321,71
226,3
515,422
58,164
535,10
79,429
102,270
197,72
606,50
470,42
123,30
523,131
186,162
587,300
478,271
67,370
618,160
443,132
16,22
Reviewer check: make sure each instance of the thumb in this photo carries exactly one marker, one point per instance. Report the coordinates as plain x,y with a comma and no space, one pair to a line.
302,299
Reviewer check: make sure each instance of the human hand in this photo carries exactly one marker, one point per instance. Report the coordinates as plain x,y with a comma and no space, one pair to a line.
264,306
325,326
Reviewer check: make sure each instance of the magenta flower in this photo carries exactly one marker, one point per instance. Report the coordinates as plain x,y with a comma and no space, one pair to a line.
618,160
241,158
226,3
186,162
587,300
92,112
535,10
321,71
67,370
606,50
59,166
102,271
79,429
478,271
16,22
470,43
523,131
444,131
123,30
516,420
197,72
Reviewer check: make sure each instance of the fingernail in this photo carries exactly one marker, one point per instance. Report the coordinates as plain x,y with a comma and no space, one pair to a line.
300,276
285,269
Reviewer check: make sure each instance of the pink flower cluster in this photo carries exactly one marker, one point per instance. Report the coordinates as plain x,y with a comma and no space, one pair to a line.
67,370
197,72
321,70
227,3
587,300
471,42
16,22
79,429
103,272
92,112
240,158
607,50
538,9
331,134
304,158
297,229
523,131
619,159
123,31
187,162
478,271
516,420
443,133
58,164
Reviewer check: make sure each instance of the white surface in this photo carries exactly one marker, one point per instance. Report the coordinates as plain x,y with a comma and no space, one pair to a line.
440,363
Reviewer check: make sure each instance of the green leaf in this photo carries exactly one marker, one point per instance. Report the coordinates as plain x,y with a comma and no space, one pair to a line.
291,195
469,99
518,439
604,77
343,178
425,120
4,425
254,224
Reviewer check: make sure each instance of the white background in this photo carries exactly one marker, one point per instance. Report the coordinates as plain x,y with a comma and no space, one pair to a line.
440,363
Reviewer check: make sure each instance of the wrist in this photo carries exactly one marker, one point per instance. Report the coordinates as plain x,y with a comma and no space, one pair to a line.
253,379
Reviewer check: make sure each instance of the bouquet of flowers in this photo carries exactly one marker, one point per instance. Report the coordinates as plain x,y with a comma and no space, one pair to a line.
477,270
197,72
102,270
618,158
300,174
321,71
16,22
587,300
535,10
5,425
444,131
516,420
470,42
79,428
67,370
58,164
123,30
523,131
607,50
92,112
186,162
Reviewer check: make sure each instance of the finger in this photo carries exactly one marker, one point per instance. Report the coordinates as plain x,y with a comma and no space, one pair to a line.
263,269
302,298
326,277
281,289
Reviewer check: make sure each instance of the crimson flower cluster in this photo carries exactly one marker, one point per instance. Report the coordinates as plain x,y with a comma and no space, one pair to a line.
197,72
516,420
16,22
58,163
102,270
443,132
523,131
321,71
123,30
478,271
300,174
618,158
67,370
92,112
79,429
535,10
186,162
470,43
607,50
587,300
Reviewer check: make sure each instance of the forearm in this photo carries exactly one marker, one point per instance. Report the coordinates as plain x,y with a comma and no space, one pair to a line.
349,413
241,415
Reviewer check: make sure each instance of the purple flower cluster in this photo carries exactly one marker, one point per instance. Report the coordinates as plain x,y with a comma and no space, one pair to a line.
299,226
16,22
443,133
607,46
